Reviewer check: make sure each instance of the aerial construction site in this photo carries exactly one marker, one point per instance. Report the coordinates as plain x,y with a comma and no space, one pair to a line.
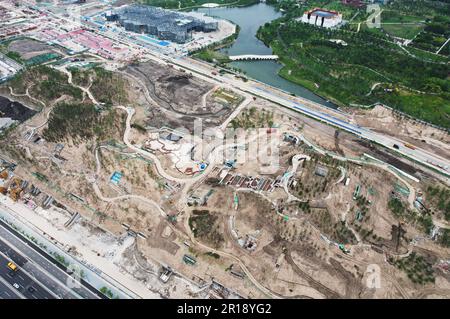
167,177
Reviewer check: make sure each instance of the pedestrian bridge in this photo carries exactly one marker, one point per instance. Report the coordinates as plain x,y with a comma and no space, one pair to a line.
252,57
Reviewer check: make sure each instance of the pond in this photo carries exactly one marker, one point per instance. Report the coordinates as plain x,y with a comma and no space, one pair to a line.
250,19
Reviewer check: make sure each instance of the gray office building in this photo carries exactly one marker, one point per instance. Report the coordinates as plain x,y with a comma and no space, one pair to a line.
163,24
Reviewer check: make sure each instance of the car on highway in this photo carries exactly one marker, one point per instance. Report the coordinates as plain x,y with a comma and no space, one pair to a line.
12,266
31,289
16,285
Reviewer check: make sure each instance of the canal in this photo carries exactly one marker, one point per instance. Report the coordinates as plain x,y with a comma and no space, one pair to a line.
250,19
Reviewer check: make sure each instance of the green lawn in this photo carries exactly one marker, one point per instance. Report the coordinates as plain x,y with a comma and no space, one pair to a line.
346,74
391,16
405,31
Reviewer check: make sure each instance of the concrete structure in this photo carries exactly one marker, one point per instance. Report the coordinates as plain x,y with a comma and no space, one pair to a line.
163,24
8,68
169,136
321,171
322,18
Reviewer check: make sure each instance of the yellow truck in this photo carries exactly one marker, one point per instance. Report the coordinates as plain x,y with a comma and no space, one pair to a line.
12,266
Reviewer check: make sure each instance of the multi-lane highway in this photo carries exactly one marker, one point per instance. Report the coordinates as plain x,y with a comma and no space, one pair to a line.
7,291
20,279
37,276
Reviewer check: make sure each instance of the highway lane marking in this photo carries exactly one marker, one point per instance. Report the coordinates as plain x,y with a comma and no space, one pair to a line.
23,241
48,265
32,278
8,286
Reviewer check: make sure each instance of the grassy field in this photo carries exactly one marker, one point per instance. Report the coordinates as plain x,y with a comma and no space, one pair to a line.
413,83
435,16
421,8
404,30
212,56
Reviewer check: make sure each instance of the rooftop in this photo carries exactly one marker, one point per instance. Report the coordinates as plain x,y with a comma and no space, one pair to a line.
323,13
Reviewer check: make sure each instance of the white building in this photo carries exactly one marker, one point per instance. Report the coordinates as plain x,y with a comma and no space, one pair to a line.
322,18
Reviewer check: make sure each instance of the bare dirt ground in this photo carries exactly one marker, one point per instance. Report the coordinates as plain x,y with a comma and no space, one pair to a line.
294,245
302,263
28,48
348,145
385,121
181,98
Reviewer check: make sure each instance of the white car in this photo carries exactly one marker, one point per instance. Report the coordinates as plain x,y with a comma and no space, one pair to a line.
15,285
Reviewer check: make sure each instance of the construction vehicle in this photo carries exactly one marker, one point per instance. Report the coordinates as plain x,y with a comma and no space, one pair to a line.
15,190
343,249
12,266
14,194
410,146
356,192
4,174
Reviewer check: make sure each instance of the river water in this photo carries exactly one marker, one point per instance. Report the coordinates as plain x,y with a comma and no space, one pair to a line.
250,19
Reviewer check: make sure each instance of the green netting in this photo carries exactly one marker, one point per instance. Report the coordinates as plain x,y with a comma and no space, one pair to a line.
402,190
41,59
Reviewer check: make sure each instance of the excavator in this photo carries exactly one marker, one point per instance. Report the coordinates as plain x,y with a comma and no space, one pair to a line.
4,174
15,190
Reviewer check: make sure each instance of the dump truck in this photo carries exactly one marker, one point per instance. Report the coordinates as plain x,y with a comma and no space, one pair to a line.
410,146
